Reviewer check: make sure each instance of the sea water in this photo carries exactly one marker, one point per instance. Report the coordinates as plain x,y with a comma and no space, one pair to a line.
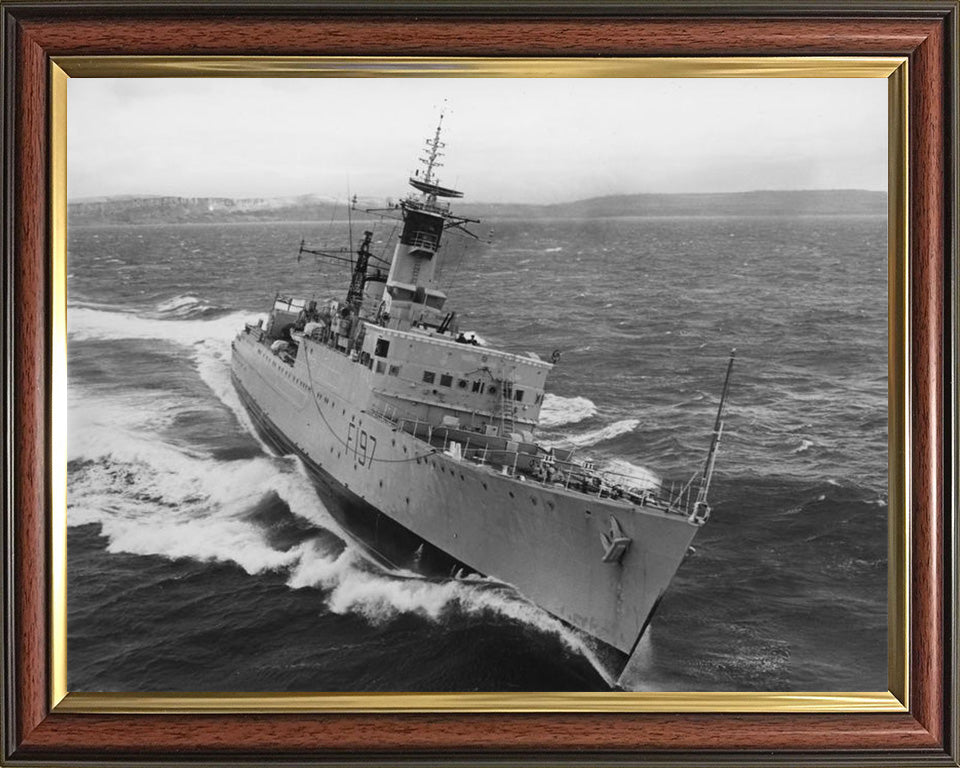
198,560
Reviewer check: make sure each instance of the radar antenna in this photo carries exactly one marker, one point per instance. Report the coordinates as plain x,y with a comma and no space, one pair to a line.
427,183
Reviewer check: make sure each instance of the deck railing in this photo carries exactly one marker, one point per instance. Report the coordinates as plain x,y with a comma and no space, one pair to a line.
547,471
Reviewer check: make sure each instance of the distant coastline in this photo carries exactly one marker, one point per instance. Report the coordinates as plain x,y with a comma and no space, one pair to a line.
129,209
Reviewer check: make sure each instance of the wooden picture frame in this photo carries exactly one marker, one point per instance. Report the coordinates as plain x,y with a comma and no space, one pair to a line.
39,730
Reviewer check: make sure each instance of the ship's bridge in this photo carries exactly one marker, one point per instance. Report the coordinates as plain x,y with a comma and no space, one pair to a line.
437,379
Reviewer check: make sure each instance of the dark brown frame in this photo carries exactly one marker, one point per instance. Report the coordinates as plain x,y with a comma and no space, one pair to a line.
925,32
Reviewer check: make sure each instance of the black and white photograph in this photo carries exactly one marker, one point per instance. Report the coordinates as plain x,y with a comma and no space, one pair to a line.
424,384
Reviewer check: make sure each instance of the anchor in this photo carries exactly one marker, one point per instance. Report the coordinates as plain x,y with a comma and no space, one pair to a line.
615,543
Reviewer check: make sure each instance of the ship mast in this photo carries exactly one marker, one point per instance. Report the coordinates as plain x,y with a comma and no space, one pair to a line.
358,279
432,158
412,294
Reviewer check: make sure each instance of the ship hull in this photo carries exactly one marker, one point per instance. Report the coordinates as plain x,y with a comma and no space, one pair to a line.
383,539
545,541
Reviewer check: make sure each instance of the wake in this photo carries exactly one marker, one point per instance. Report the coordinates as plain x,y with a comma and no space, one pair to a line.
151,497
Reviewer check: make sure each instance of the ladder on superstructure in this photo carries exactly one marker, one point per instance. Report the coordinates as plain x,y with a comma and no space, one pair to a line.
507,412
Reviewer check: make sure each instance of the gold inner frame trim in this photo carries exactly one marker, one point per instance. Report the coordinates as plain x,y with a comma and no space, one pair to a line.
894,69
387,703
431,66
58,384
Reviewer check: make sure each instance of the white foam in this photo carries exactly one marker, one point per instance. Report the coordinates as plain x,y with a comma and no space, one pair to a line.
557,410
479,339
354,588
154,498
178,302
151,498
212,359
98,425
210,338
87,323
625,473
603,434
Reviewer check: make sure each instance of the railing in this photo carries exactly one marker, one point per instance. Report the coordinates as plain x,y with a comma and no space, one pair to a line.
549,471
422,240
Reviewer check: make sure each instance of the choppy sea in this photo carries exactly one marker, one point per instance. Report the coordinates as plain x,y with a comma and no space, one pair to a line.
200,561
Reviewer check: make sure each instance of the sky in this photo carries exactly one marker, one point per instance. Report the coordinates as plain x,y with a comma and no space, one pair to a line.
508,139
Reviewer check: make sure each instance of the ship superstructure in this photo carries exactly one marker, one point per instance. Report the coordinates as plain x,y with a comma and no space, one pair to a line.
418,437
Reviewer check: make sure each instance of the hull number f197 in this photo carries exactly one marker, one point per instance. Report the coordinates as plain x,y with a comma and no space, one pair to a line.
361,444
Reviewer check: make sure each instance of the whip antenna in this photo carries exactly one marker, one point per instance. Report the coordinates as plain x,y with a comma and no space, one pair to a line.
701,509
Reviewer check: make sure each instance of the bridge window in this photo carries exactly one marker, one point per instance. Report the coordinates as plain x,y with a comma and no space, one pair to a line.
462,383
429,377
394,370
383,346
478,386
446,380
380,366
518,395
492,390
400,294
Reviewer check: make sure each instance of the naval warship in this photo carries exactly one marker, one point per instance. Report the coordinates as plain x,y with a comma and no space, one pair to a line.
422,442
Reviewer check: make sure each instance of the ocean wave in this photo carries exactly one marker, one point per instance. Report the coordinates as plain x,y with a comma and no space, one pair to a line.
601,435
186,306
557,410
179,303
352,586
477,337
209,338
633,475
212,358
159,500
150,497
89,324
170,504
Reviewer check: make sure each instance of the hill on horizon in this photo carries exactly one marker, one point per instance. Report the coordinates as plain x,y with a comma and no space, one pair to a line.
149,209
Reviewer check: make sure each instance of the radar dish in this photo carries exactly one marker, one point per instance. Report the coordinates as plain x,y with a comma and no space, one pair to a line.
434,189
